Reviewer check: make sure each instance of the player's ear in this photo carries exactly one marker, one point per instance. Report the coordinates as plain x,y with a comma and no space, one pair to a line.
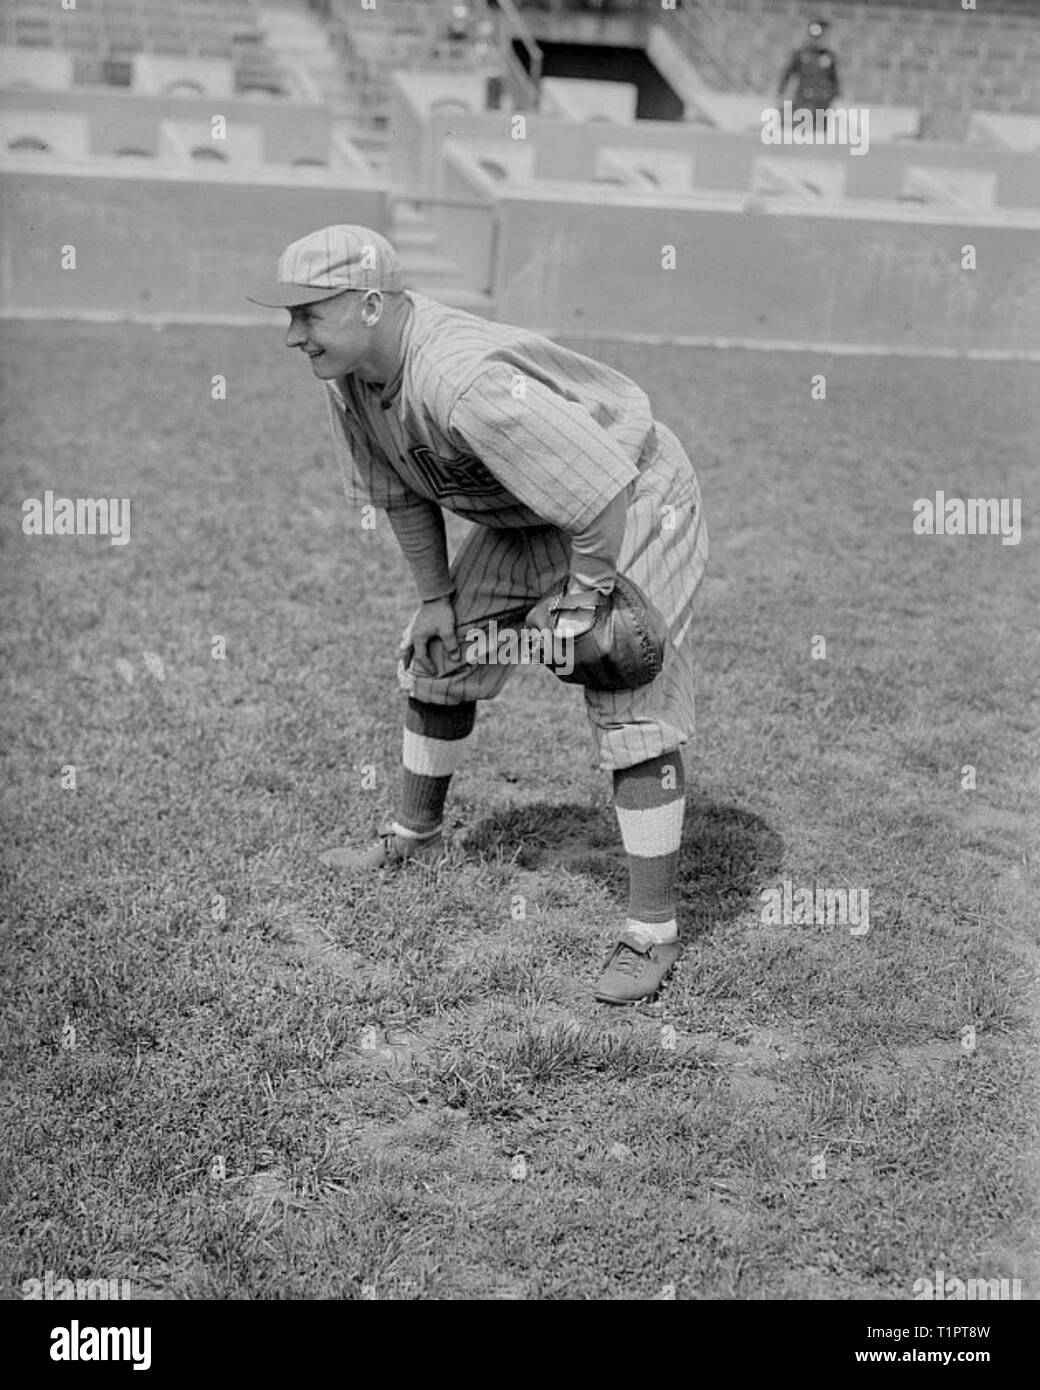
371,308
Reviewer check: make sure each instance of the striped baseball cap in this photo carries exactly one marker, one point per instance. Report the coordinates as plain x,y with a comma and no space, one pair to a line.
327,262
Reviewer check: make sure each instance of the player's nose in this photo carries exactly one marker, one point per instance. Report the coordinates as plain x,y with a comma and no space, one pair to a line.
295,334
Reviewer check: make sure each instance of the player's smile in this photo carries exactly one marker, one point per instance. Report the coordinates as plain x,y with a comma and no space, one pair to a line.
350,334
326,333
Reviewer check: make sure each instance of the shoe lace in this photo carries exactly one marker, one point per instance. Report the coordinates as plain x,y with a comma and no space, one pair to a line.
628,960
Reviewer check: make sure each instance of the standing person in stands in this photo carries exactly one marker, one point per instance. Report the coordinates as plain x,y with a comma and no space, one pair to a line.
815,71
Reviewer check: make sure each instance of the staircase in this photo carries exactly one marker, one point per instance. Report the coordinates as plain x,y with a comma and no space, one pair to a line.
428,268
358,97
295,32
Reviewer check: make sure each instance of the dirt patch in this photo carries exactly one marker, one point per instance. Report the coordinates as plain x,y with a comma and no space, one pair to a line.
312,945
264,1194
752,1086
887,1070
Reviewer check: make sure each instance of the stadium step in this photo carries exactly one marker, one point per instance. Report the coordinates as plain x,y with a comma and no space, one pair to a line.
427,268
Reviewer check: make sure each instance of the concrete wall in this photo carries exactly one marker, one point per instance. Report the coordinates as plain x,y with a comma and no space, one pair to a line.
124,120
469,235
585,99
570,151
724,161
65,133
788,274
419,131
153,243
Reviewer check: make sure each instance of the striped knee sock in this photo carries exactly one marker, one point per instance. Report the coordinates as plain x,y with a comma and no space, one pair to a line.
435,738
650,800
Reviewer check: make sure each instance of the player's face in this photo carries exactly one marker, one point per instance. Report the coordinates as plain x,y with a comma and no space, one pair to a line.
332,333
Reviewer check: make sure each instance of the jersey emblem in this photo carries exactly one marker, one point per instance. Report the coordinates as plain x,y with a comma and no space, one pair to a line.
446,477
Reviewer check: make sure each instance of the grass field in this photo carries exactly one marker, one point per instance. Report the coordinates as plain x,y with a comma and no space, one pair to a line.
229,1076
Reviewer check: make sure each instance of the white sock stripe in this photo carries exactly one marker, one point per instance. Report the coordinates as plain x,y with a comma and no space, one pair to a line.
662,932
433,757
654,831
403,833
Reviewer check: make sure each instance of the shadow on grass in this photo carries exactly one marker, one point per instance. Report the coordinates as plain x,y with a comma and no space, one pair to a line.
727,853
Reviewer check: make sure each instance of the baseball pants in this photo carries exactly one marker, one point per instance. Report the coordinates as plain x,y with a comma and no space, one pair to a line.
500,574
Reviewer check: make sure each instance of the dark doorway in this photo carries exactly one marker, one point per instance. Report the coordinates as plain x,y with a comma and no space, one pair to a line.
597,62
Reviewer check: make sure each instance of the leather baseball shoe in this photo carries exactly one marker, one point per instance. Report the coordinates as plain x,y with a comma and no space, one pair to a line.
390,852
635,969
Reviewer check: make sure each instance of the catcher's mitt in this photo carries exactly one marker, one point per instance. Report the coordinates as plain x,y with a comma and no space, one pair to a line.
610,641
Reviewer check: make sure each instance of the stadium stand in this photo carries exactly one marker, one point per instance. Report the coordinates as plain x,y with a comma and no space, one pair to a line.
936,57
405,116
409,35
926,68
103,37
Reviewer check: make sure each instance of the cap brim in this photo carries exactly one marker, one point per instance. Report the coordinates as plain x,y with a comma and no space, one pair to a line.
275,295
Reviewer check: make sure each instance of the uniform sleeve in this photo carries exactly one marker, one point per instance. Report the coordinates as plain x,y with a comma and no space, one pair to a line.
368,479
421,536
546,451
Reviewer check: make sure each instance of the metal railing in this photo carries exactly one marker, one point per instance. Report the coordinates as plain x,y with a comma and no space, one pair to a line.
524,82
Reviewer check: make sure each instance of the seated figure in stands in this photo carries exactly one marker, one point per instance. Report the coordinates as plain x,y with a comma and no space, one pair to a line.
460,24
815,70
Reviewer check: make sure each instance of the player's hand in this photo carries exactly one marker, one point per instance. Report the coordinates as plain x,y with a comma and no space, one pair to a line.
540,618
543,619
435,620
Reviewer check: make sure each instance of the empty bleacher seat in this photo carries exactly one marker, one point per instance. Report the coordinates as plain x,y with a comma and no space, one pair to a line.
944,187
1012,132
160,75
799,178
184,142
502,160
668,171
448,105
63,135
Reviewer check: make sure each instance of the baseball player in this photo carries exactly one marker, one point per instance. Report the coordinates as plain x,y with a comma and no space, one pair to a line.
568,481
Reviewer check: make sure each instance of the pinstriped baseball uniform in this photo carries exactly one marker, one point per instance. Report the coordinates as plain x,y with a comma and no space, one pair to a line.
530,441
